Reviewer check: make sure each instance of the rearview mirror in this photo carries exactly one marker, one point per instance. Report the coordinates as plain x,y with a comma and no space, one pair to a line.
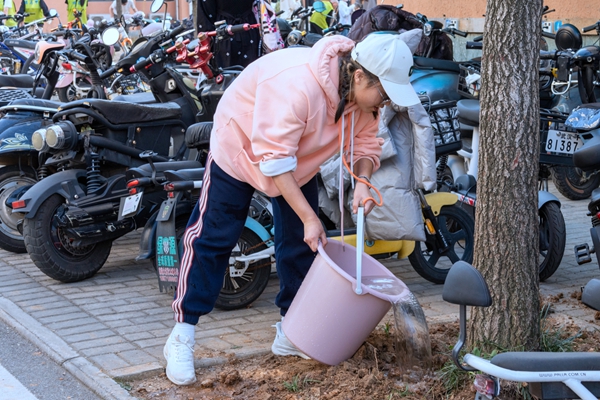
110,36
156,5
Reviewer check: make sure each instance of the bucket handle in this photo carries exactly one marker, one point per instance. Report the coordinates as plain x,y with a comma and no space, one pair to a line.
360,246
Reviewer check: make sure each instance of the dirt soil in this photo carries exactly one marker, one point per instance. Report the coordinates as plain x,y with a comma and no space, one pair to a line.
372,373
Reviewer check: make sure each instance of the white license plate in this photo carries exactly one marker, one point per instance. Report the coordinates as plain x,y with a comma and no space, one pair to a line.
131,204
562,142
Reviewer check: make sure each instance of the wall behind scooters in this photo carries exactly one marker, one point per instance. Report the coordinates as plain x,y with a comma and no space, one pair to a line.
469,14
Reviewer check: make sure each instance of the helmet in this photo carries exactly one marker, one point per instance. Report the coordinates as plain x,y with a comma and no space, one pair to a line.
568,37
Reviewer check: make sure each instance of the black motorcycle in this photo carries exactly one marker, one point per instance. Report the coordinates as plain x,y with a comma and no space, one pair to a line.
71,217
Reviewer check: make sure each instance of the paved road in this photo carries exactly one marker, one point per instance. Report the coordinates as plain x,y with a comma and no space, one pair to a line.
115,324
27,373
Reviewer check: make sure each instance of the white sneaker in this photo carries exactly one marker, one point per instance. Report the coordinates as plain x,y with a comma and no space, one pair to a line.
179,353
283,347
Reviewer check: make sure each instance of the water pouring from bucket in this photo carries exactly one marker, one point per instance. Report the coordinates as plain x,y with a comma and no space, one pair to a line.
345,294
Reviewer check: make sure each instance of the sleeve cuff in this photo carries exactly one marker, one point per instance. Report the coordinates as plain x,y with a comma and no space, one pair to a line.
278,166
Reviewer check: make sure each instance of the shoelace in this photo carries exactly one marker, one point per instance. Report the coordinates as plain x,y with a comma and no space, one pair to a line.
179,346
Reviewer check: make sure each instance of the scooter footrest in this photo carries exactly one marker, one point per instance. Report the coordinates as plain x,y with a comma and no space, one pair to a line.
582,253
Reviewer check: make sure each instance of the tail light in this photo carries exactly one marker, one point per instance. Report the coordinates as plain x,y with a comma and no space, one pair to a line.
67,66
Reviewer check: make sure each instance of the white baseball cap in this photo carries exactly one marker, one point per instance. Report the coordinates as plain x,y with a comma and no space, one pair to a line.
389,58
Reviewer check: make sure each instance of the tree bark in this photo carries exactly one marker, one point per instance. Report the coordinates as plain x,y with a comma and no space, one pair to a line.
506,229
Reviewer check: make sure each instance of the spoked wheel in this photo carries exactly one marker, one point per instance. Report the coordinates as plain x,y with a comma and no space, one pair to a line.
458,227
574,183
11,179
552,239
70,93
240,291
53,252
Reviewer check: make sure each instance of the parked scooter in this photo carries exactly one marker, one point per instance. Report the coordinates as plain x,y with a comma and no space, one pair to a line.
574,375
72,216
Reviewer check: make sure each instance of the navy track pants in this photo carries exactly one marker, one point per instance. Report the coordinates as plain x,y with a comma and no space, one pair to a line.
212,232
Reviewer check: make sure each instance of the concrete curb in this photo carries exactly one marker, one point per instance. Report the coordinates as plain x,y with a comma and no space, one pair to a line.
61,353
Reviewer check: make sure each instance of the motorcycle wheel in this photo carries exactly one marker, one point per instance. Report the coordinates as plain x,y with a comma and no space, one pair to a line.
553,236
69,93
241,291
11,178
458,228
51,251
572,183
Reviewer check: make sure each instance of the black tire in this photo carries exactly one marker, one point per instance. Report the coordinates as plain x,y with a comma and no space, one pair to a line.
553,237
52,254
28,63
458,228
11,179
252,283
69,93
573,183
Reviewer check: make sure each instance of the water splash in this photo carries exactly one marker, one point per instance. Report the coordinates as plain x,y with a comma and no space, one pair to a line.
413,345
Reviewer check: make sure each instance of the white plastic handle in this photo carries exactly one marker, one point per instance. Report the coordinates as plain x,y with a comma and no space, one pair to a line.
360,246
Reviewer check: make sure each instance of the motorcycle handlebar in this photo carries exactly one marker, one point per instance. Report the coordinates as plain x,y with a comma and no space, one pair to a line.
76,55
548,55
591,27
548,35
233,29
108,72
459,33
177,31
141,65
475,45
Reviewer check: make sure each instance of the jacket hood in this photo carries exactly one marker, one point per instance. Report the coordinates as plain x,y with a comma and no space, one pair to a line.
324,65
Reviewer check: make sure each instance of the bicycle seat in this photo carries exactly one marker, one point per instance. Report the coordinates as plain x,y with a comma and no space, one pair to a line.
546,361
194,174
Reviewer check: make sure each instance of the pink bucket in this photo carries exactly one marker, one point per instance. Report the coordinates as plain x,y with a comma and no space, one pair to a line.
327,320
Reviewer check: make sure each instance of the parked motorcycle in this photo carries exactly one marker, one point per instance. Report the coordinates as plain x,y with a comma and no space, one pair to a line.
71,217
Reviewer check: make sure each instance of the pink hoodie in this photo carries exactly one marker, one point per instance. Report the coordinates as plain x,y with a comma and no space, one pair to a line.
279,114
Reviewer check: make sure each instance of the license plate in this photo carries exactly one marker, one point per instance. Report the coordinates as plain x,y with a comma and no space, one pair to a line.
562,142
130,205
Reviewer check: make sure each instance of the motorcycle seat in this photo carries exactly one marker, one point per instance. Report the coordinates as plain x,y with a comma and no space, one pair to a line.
194,174
36,103
121,112
28,44
145,171
23,81
137,98
198,135
435,63
468,112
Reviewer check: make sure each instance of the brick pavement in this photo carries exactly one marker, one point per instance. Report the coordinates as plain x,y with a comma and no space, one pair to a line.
115,324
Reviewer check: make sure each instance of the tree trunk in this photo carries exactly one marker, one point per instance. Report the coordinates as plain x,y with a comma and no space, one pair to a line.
506,230
195,16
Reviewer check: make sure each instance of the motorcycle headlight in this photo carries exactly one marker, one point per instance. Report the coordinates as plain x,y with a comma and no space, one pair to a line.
38,140
61,136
